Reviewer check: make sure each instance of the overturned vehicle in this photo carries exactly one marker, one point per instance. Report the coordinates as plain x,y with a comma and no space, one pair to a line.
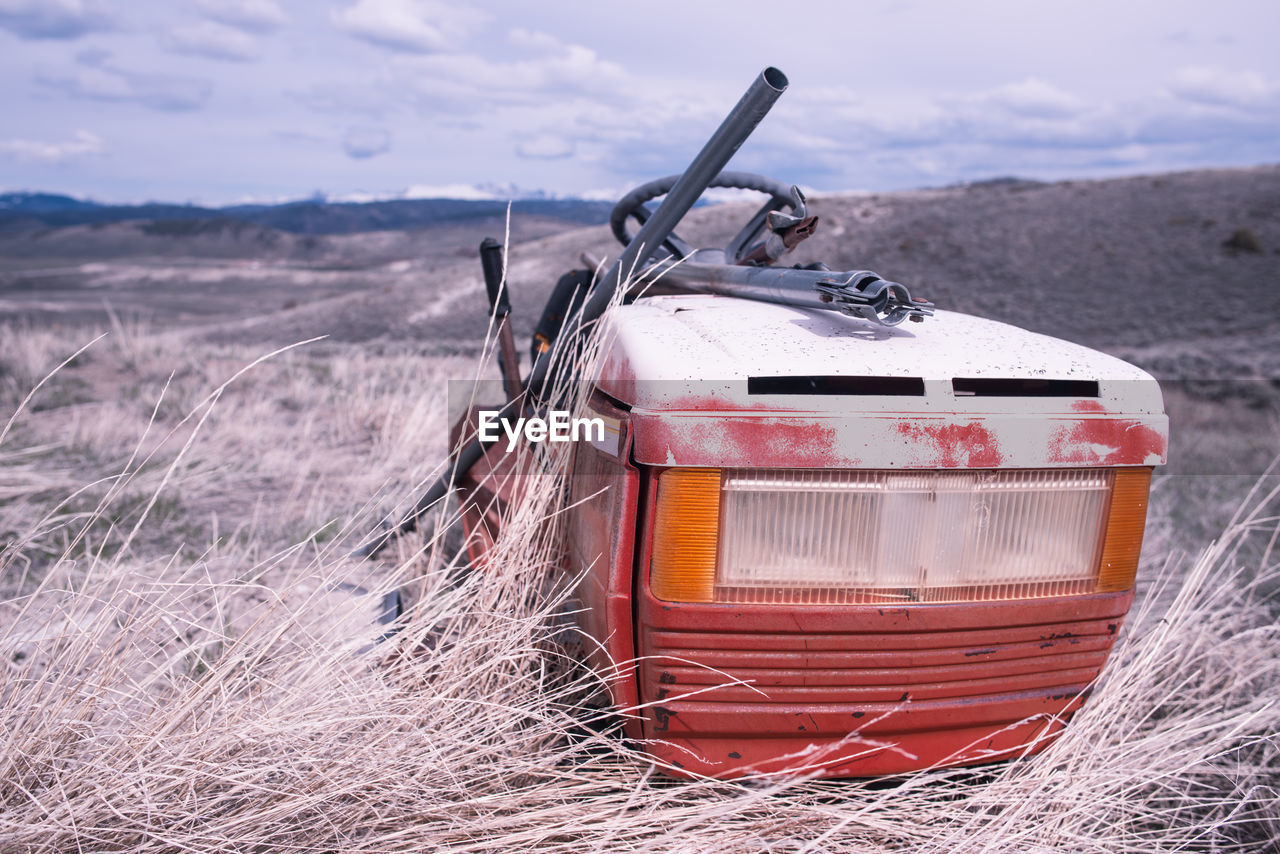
826,528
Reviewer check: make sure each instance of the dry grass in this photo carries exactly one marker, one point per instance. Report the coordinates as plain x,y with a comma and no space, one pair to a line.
189,666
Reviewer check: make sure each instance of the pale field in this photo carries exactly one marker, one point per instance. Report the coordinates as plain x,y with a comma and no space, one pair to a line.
191,661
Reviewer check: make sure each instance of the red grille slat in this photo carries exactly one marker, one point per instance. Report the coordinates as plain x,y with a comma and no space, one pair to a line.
692,674
876,720
724,659
814,641
753,692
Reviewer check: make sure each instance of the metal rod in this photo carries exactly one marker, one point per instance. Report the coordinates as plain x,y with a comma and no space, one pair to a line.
493,262
860,293
762,284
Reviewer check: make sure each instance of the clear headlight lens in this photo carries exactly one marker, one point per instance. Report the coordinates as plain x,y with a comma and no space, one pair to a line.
826,536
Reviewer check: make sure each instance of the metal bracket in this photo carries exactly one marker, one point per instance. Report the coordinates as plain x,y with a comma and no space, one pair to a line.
866,295
780,221
786,230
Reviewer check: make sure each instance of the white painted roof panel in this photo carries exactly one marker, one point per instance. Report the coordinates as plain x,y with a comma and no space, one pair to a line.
698,351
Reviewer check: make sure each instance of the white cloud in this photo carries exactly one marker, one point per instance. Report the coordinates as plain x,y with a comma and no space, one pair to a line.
361,143
533,40
52,19
98,80
1029,113
82,144
1034,98
255,16
545,146
414,26
561,78
1219,87
448,191
212,40
563,101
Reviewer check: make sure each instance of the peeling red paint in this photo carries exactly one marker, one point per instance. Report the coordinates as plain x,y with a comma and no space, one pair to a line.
810,440
744,442
1131,443
810,445
969,445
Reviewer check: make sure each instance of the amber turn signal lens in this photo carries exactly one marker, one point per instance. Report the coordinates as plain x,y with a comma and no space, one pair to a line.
685,535
1126,522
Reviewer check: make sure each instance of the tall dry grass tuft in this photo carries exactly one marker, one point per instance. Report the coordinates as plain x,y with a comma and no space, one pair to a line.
222,686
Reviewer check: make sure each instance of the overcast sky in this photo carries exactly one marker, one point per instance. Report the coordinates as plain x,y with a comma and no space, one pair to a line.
217,101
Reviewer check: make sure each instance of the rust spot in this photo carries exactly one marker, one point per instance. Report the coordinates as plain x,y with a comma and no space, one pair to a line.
733,754
1124,441
1111,628
974,652
906,695
809,445
741,442
858,714
1046,644
666,678
955,445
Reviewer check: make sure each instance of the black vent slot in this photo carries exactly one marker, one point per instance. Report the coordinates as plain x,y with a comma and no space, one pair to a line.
910,386
1023,387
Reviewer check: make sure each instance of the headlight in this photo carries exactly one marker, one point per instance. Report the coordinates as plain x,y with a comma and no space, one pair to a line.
842,537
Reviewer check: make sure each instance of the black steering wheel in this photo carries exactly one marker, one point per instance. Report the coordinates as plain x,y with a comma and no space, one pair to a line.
633,205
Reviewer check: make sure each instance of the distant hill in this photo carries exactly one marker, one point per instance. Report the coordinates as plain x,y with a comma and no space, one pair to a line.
38,203
21,212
